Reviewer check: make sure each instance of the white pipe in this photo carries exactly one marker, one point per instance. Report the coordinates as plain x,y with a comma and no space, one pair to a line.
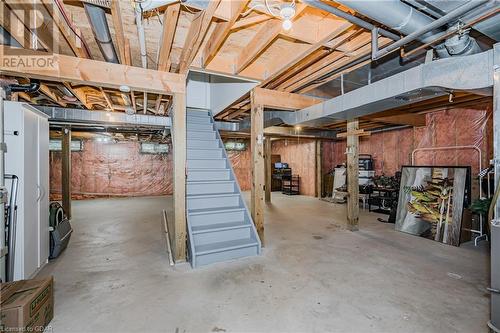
448,148
142,38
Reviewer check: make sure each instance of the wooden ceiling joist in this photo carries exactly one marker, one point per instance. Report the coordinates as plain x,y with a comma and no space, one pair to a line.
119,34
283,100
221,32
63,68
170,19
196,34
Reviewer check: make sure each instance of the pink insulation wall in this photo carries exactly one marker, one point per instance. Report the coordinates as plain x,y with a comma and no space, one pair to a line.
453,127
113,169
300,156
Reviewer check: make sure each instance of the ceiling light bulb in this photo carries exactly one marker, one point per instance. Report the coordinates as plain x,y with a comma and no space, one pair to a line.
287,25
124,89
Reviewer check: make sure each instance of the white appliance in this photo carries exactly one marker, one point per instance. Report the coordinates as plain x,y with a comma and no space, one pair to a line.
27,139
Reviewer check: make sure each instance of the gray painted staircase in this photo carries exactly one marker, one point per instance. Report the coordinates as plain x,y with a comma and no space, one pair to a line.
219,224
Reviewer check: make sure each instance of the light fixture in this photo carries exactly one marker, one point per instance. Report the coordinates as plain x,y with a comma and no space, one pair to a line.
287,12
298,128
129,110
287,25
124,89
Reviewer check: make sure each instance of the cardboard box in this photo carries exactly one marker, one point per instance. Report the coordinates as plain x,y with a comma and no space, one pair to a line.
27,305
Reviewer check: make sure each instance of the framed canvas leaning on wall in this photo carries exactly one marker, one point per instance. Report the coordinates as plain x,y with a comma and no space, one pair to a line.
431,201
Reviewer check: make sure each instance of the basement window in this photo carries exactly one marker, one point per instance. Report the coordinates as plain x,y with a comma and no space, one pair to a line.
56,145
154,148
235,145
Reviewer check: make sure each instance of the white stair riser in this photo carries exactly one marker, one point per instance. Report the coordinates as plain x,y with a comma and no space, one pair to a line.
213,202
206,164
211,258
200,127
197,113
222,217
222,236
204,153
210,188
202,144
201,135
208,175
198,120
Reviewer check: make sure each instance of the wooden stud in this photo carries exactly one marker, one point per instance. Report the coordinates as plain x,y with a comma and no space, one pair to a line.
170,19
118,26
63,68
319,168
196,34
268,167
258,179
179,151
66,171
352,175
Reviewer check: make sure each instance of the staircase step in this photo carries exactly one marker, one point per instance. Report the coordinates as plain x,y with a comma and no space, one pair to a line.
198,120
222,251
200,113
198,217
208,174
200,127
221,233
200,153
207,163
206,187
205,135
204,201
219,227
204,144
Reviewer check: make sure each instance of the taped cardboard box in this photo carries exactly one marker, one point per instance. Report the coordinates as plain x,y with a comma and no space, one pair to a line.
26,305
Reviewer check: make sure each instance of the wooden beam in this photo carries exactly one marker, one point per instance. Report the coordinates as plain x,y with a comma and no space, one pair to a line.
78,94
107,99
319,168
257,148
118,26
170,18
412,119
221,32
283,100
357,132
51,95
248,21
264,36
61,68
66,171
196,34
16,28
179,156
128,55
268,167
74,40
352,176
285,66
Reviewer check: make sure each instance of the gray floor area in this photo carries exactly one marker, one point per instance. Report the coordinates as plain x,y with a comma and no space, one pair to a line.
313,276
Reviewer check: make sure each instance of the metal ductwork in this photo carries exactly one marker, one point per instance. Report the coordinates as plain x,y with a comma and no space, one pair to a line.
406,19
97,18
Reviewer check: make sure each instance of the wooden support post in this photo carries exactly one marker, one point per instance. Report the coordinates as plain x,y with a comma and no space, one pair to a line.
268,167
258,179
319,169
179,149
352,175
66,171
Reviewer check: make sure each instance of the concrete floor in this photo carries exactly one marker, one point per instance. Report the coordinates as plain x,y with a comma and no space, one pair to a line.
313,276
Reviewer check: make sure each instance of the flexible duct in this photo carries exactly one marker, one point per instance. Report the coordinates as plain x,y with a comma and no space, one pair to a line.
97,18
405,19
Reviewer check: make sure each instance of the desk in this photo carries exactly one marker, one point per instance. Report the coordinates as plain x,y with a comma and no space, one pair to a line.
383,198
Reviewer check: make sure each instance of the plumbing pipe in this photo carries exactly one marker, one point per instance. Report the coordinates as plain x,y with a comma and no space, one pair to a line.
422,33
351,18
447,148
142,39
